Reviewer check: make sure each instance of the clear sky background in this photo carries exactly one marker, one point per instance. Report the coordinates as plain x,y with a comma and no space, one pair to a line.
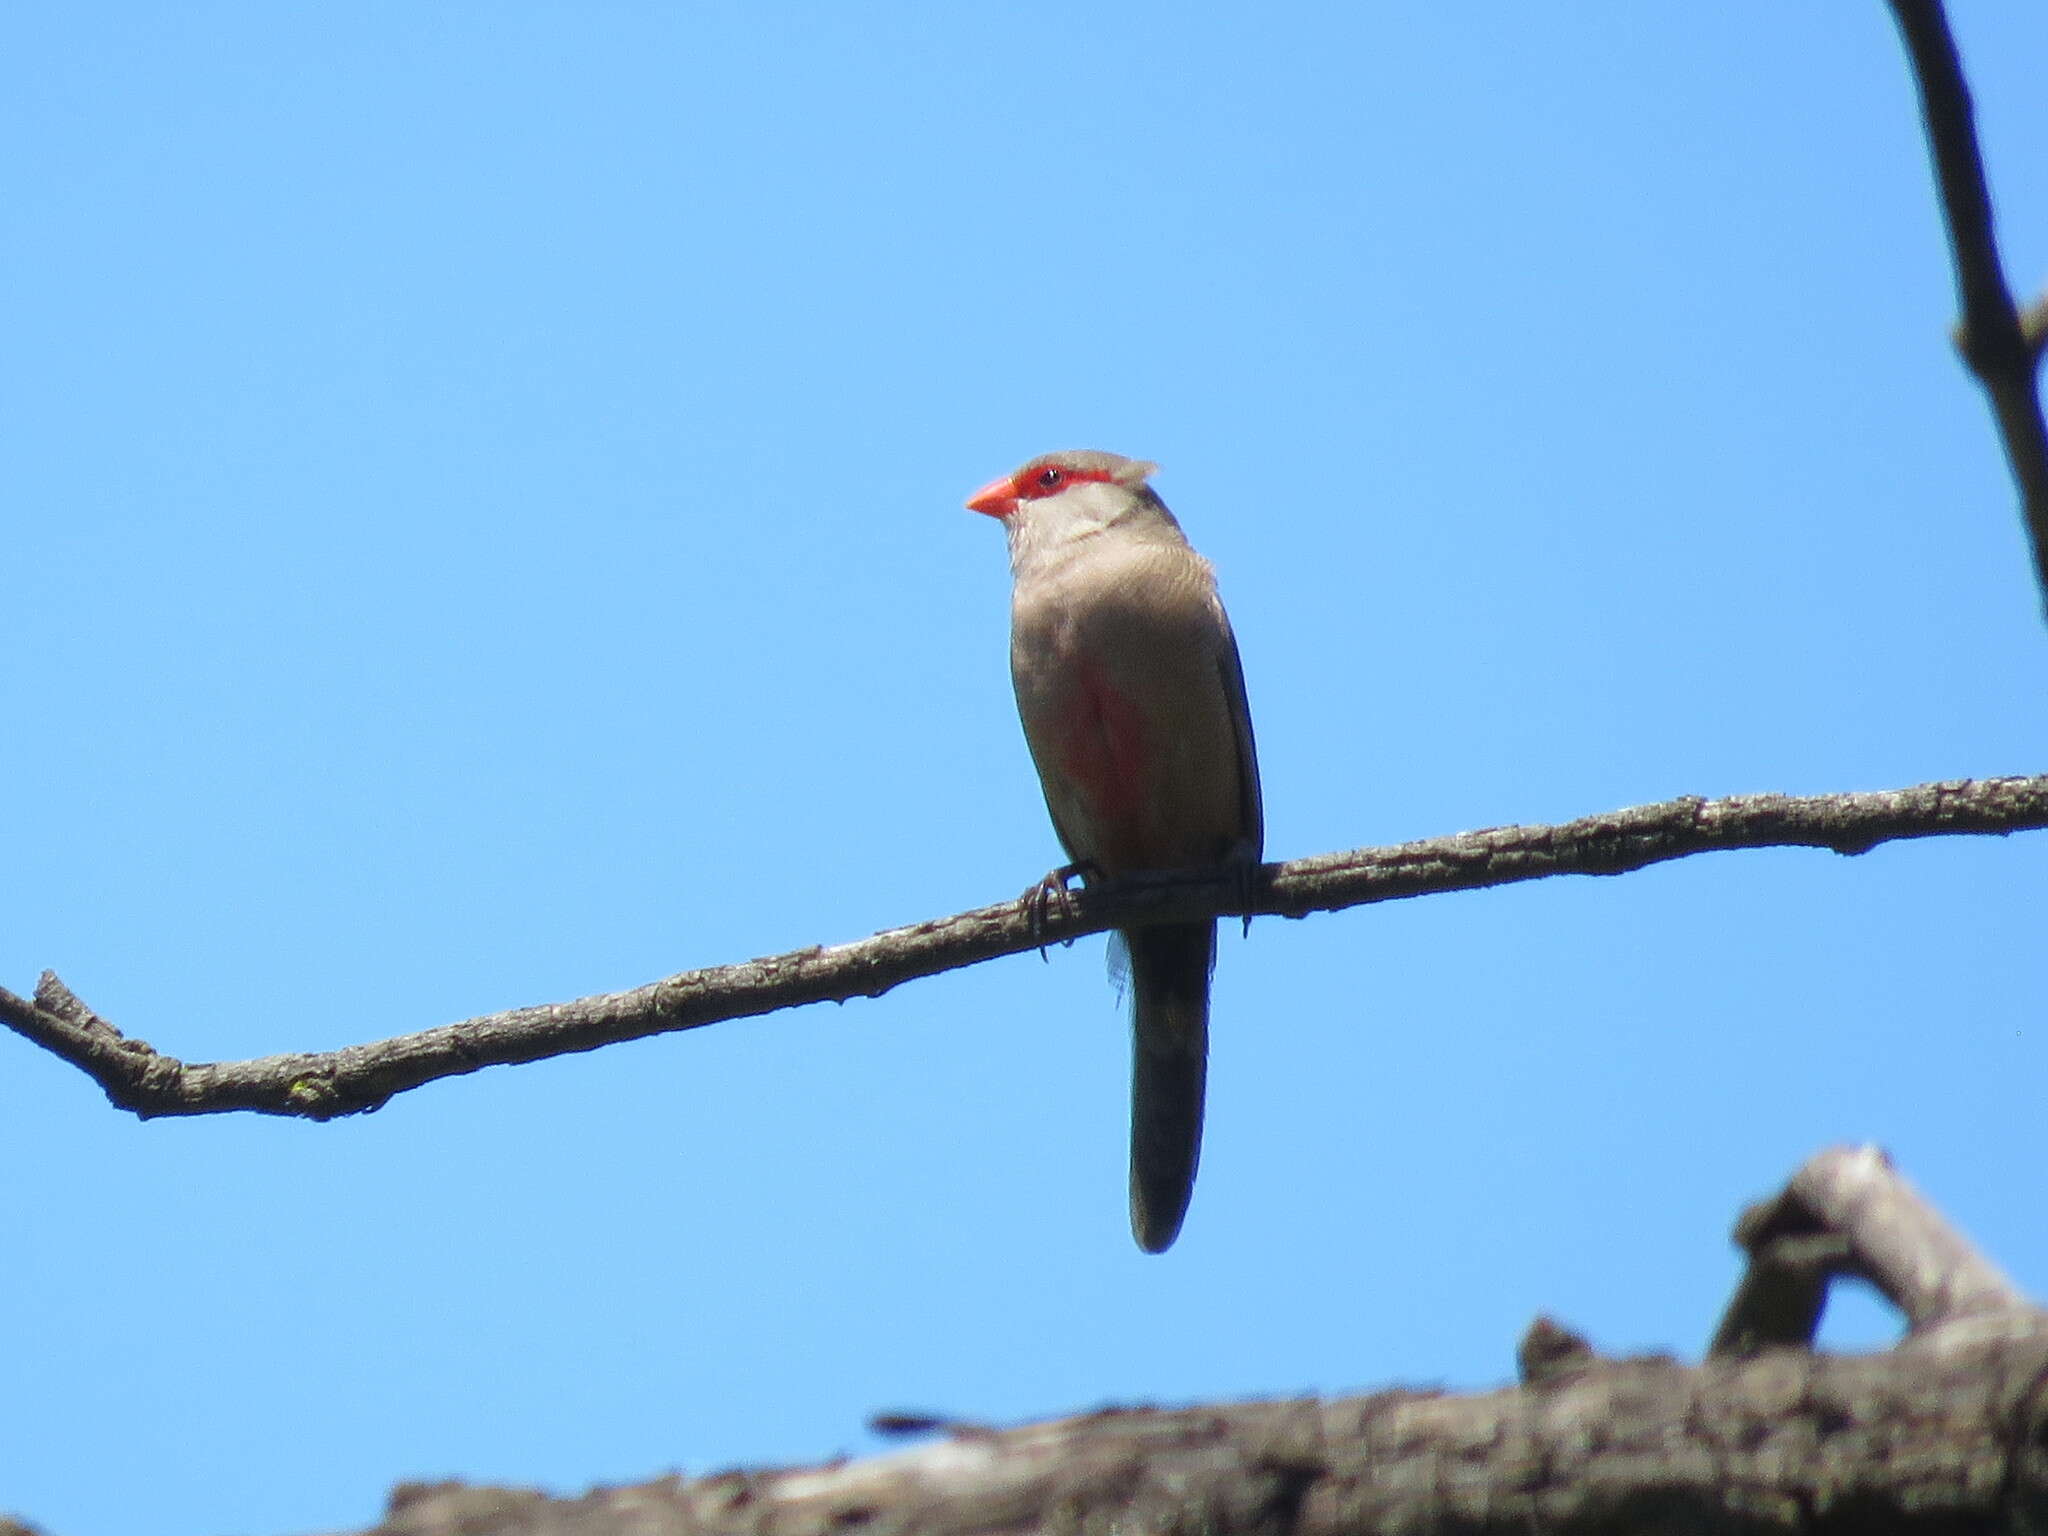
481,491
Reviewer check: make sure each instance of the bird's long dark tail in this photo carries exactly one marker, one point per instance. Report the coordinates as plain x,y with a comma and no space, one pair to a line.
1169,970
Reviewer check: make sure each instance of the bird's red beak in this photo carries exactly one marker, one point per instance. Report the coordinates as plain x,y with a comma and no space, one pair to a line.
996,499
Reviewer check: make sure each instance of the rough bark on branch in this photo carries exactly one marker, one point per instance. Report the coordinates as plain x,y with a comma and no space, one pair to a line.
323,1085
1947,1433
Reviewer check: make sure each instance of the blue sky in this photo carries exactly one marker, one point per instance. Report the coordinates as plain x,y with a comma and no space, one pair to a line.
482,498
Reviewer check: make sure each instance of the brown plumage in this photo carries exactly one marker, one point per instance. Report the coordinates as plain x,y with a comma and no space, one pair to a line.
1133,704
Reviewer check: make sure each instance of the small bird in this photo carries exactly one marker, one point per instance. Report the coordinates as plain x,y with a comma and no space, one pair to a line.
1133,704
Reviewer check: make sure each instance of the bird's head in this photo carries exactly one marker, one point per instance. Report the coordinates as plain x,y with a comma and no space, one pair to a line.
1068,494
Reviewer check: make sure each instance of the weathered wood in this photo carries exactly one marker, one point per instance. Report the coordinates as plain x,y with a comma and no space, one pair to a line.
1941,1435
1946,1434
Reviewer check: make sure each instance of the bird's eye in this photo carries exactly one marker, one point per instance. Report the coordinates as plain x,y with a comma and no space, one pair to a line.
1049,478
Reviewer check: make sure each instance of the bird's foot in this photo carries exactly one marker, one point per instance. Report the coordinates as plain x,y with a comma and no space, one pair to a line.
1056,886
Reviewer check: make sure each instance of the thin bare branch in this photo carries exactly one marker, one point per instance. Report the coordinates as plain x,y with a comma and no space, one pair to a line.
2000,348
320,1086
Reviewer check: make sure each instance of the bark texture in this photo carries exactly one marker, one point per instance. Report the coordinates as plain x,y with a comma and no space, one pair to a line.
1946,1433
1936,1436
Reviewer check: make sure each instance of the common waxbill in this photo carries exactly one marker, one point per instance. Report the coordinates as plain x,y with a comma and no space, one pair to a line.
1133,703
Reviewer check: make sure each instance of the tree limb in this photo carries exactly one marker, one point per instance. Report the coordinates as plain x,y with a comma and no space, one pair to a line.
2001,346
1943,1434
323,1085
1785,1445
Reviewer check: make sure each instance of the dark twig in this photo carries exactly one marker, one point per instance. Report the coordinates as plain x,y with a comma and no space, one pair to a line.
2001,347
320,1086
1849,1215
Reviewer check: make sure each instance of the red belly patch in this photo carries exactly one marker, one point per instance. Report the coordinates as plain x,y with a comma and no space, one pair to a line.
1102,751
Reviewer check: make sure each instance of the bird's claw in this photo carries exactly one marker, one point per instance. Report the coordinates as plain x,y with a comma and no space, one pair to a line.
1248,873
1038,901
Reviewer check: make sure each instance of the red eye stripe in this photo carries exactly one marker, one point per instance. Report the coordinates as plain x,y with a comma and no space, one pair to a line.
1034,483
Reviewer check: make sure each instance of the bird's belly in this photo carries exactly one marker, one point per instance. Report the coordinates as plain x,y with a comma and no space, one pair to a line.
1137,776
